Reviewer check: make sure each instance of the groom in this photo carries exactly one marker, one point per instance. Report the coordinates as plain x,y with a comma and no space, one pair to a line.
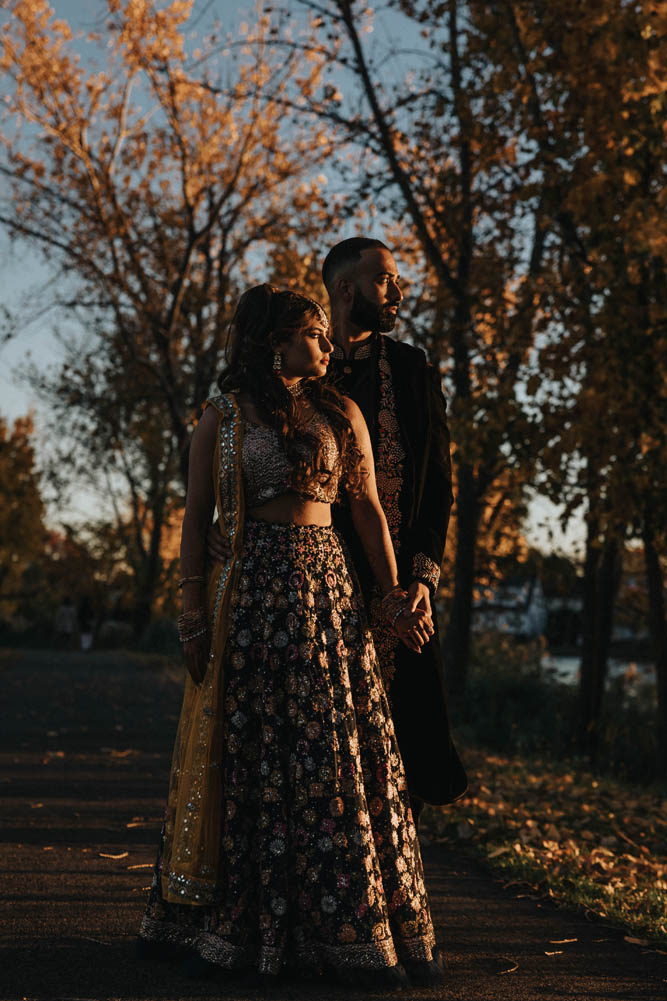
400,397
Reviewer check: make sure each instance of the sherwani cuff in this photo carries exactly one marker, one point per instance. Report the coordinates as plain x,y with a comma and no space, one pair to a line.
426,570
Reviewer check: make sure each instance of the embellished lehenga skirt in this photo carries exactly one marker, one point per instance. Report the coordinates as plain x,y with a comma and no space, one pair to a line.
320,864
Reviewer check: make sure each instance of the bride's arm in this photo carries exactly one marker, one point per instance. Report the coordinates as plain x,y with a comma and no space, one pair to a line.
199,505
371,526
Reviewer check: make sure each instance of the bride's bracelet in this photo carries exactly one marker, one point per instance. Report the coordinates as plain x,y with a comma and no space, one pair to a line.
393,604
192,636
194,579
191,623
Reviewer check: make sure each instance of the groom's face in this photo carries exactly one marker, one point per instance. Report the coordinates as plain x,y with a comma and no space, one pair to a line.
377,294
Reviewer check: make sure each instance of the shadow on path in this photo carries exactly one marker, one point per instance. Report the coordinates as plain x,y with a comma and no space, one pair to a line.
84,762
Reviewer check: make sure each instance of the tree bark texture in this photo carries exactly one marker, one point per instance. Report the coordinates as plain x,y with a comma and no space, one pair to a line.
656,590
601,580
457,638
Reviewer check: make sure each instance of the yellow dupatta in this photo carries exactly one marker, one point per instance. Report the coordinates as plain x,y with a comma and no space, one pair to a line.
191,851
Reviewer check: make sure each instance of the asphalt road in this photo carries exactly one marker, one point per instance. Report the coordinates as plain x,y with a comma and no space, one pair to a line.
84,758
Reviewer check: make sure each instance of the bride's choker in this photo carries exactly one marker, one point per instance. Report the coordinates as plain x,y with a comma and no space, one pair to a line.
297,389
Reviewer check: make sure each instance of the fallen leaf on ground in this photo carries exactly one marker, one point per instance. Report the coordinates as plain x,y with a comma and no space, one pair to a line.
635,941
510,969
573,837
498,851
556,952
107,855
561,941
142,865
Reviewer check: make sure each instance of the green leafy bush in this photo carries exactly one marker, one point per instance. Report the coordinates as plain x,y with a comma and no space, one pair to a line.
510,705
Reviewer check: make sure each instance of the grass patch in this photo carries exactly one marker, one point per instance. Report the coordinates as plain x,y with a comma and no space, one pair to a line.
594,843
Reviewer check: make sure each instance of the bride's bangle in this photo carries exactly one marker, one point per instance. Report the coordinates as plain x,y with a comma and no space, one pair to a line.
194,579
393,603
191,624
193,636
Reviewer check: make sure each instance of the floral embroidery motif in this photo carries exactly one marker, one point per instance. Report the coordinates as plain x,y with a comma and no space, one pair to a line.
426,569
360,353
389,476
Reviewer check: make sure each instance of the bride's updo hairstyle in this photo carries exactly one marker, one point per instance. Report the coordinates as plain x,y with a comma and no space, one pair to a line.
265,318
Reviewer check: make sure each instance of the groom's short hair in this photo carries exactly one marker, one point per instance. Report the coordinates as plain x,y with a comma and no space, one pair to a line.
344,254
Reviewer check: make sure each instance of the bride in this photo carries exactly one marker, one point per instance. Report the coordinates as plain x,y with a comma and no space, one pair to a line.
288,840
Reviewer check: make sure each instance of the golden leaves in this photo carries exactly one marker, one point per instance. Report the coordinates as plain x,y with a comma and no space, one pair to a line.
565,829
87,126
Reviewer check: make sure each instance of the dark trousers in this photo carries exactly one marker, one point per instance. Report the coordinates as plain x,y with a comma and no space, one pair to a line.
416,805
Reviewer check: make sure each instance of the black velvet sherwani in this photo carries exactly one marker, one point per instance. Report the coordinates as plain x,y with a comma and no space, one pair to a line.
401,399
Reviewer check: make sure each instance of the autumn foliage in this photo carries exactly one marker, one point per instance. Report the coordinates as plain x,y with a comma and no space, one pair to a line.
146,188
513,154
22,530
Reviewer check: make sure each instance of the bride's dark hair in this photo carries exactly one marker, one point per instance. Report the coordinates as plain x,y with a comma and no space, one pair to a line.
265,318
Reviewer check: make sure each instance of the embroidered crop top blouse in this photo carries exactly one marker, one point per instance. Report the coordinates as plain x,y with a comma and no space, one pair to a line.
266,468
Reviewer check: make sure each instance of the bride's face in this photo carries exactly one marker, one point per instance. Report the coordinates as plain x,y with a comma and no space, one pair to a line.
306,353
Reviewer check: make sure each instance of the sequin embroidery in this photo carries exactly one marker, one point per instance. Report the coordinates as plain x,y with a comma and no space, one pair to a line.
266,469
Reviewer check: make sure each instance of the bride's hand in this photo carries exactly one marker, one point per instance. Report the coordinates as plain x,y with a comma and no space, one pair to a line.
196,652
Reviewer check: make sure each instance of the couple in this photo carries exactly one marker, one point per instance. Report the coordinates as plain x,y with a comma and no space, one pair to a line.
306,744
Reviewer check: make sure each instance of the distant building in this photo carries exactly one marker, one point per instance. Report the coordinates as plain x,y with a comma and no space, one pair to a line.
547,600
516,606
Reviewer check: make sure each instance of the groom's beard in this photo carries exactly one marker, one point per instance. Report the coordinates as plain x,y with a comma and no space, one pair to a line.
367,316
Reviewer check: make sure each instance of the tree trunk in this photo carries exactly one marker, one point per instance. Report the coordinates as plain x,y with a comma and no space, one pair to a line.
658,628
457,638
601,580
148,578
608,580
588,620
146,587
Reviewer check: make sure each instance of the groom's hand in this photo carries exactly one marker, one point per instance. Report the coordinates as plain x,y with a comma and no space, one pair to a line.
419,596
217,547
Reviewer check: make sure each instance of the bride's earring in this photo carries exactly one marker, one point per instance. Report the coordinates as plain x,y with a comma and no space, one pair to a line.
277,362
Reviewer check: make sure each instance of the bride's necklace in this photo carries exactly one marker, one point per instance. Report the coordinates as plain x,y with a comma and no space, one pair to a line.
297,389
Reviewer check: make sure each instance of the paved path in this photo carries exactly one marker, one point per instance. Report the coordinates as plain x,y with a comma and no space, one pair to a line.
84,758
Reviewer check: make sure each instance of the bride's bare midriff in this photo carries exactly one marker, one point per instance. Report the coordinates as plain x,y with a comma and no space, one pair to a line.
290,509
